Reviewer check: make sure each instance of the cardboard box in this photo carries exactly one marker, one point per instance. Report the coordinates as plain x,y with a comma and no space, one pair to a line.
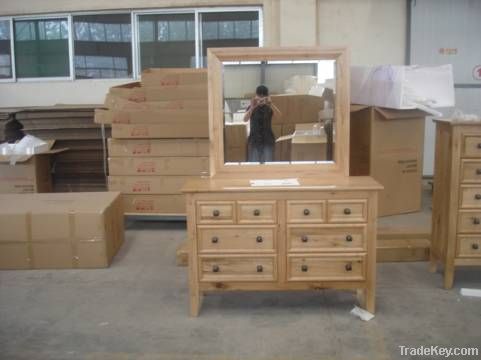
235,142
388,145
309,143
156,116
158,147
297,109
282,149
154,204
55,231
173,77
159,166
30,174
164,130
148,184
115,103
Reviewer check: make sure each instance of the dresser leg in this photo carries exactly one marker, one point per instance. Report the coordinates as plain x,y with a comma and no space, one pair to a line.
433,264
195,302
367,299
448,277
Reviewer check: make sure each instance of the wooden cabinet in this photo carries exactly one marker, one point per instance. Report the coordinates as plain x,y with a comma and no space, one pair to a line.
456,223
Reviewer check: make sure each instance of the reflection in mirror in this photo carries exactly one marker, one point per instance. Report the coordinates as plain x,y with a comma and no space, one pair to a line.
279,111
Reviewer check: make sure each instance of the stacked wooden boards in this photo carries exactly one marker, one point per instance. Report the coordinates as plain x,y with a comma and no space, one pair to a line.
159,138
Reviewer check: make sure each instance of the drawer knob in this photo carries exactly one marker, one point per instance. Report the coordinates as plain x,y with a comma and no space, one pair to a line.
306,212
215,239
304,238
259,239
260,268
257,212
304,268
216,213
477,196
349,238
215,268
476,221
475,246
348,267
479,145
347,211
478,171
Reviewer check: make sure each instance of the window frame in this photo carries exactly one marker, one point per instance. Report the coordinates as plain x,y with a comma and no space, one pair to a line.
12,51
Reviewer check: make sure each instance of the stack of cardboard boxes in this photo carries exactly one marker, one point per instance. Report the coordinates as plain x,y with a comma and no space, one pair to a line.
159,138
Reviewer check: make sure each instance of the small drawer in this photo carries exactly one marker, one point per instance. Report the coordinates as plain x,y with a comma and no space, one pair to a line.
471,146
323,268
469,222
310,211
326,238
236,239
237,268
256,212
469,246
347,211
471,171
215,212
470,197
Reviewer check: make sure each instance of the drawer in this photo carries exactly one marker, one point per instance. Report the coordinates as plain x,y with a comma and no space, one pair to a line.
469,246
469,222
470,197
253,212
215,212
471,146
470,171
237,268
303,238
236,239
347,211
323,268
310,211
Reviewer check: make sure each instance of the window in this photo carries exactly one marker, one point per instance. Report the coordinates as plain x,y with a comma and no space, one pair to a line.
42,48
5,50
167,40
102,46
229,29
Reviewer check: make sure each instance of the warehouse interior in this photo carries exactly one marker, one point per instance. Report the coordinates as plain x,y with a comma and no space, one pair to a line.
240,179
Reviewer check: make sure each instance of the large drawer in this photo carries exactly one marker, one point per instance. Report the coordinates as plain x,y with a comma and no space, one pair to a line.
469,246
469,221
471,171
306,211
237,239
307,238
237,268
471,146
325,268
216,212
256,212
470,197
347,211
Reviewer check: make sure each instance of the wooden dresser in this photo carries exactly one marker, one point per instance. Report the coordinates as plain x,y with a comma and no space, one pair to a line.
456,222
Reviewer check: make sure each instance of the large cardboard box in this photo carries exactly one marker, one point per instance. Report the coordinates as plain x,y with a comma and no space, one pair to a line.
282,149
159,166
115,103
388,145
179,116
158,147
173,76
164,130
50,231
154,204
309,143
235,142
297,109
149,184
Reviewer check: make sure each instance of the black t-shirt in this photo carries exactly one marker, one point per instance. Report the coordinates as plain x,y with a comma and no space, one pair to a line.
261,126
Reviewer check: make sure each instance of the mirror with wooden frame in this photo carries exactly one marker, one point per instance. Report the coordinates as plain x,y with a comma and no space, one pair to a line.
278,112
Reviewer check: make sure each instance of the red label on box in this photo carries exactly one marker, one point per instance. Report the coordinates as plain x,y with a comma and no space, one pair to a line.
140,131
147,167
141,149
141,187
144,205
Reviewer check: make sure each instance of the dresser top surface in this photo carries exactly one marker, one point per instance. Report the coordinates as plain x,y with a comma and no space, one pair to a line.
305,184
453,122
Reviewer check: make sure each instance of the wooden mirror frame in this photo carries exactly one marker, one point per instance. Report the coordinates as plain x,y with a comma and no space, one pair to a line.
340,166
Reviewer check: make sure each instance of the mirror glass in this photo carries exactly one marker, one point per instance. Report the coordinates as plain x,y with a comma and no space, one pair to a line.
279,111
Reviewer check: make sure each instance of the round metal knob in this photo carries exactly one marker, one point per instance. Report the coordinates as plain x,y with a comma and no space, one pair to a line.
216,212
215,268
477,196
476,221
349,238
259,239
304,238
304,268
257,212
215,239
347,211
306,212
259,268
348,267
475,246
478,171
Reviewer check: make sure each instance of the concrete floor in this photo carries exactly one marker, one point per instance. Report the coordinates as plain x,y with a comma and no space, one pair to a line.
138,309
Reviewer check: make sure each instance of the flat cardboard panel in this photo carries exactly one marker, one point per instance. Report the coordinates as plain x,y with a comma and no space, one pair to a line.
14,256
235,140
154,204
115,103
159,166
297,108
148,184
165,130
155,116
173,77
158,147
